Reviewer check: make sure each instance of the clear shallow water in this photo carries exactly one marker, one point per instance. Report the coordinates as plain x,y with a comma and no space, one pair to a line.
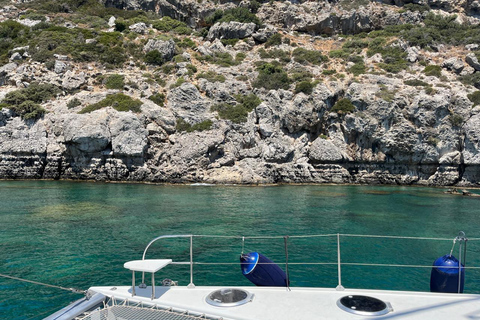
77,234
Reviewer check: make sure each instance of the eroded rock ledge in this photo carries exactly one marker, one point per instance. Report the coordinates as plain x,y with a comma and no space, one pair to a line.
287,139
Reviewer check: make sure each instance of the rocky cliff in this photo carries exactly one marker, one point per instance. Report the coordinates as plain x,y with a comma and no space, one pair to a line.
314,92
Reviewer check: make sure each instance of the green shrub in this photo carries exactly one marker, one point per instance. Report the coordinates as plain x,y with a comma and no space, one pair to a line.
393,56
474,97
13,30
455,119
416,7
73,103
120,25
34,92
274,40
158,98
202,126
329,72
223,59
249,102
281,55
186,43
271,76
28,110
33,16
178,83
471,79
305,87
357,68
343,106
154,57
168,24
118,101
430,90
230,42
234,113
115,81
191,69
355,45
299,75
433,141
239,14
340,53
183,126
433,70
211,76
168,68
385,94
416,83
302,55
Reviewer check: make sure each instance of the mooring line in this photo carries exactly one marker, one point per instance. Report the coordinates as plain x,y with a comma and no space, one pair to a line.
74,290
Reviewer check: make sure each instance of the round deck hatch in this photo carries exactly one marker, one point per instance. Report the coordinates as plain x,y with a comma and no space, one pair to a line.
363,305
229,297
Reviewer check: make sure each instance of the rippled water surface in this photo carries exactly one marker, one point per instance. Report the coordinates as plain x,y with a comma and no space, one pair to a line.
78,234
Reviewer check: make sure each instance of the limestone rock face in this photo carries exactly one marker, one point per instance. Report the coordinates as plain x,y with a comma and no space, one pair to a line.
471,155
87,133
129,137
187,103
73,80
411,127
231,30
323,150
472,60
166,48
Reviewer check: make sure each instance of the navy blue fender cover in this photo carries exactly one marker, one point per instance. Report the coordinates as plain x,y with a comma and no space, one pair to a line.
444,277
261,271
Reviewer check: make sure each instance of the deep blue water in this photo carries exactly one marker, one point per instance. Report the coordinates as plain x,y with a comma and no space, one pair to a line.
79,234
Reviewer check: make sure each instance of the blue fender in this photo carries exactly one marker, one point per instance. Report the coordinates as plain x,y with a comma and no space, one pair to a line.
261,271
444,276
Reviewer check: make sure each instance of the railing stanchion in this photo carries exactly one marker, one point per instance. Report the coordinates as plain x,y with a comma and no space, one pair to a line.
339,264
285,238
191,285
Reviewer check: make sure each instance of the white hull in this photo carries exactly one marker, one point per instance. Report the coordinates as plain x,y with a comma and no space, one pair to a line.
276,303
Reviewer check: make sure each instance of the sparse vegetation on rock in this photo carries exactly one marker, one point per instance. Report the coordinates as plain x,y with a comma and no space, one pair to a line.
325,87
117,101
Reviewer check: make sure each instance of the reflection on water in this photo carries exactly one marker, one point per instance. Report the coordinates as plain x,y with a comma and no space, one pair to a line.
80,234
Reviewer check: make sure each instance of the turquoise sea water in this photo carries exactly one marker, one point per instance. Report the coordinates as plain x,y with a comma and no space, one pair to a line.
78,234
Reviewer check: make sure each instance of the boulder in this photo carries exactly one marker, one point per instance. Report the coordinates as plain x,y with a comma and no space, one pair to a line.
60,67
111,21
263,34
454,64
472,60
72,81
140,28
5,72
231,30
166,48
412,54
16,57
324,151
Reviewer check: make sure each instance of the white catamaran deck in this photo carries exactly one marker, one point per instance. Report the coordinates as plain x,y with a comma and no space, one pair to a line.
278,303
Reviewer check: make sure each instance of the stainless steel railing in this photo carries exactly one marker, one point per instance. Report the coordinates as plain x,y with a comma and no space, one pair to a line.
461,238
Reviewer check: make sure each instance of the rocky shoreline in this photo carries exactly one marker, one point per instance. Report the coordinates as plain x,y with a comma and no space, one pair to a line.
344,113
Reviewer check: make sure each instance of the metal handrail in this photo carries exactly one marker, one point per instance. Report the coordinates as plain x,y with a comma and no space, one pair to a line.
338,263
